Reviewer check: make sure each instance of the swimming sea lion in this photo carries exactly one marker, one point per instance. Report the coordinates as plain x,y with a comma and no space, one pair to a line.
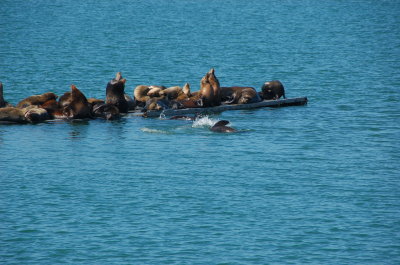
115,93
272,90
239,95
36,100
221,127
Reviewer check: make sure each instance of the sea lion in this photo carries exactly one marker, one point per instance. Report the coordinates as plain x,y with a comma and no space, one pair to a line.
213,80
78,107
3,103
95,101
140,94
206,92
158,104
221,127
239,95
36,100
28,114
115,93
154,91
174,92
130,101
106,111
65,100
272,90
12,115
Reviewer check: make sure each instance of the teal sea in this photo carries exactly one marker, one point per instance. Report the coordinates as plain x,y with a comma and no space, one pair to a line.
313,184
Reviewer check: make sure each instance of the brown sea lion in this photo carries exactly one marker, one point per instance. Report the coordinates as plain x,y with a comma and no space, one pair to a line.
154,91
115,93
94,101
3,103
158,104
140,94
78,107
29,114
239,95
36,100
213,80
272,90
221,127
206,92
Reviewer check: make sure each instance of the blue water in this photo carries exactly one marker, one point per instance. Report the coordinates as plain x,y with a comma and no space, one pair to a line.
314,184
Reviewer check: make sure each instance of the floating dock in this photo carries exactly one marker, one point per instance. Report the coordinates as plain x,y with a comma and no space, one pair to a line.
262,104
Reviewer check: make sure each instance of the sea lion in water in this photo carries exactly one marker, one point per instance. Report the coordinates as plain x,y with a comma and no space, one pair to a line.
239,95
36,100
272,90
221,127
3,103
115,93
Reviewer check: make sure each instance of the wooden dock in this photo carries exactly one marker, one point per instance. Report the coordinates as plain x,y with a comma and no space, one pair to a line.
265,103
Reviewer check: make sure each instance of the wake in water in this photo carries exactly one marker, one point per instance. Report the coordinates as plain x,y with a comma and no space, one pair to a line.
148,130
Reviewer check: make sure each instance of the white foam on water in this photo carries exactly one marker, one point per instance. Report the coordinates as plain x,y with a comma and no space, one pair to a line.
148,130
204,121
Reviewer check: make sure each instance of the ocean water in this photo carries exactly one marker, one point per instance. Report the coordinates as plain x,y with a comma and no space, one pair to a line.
314,184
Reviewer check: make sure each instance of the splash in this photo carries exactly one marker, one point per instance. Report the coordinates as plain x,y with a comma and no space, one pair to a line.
204,121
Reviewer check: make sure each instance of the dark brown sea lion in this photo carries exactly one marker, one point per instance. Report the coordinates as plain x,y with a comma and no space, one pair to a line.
239,95
106,111
36,100
115,93
3,103
78,106
272,90
221,127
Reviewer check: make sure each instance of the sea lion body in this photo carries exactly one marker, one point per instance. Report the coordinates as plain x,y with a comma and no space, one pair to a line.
106,111
239,95
154,91
221,127
140,94
115,93
213,80
28,114
36,100
272,90
78,106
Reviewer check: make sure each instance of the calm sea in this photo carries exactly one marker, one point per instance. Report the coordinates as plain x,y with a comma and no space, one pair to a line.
314,184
